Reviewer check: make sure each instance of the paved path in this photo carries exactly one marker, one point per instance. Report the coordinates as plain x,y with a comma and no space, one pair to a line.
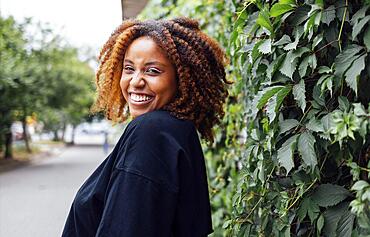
35,199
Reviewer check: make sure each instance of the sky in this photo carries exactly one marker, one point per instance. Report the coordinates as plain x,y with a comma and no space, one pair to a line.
84,23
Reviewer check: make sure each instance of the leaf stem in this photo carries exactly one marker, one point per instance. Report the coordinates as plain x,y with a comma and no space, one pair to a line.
331,42
308,188
296,200
246,5
259,200
341,27
303,116
364,169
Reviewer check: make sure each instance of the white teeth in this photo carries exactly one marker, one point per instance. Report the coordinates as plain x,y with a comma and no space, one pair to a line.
139,98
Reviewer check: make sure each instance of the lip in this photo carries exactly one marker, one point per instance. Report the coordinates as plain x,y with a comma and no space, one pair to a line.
139,93
141,102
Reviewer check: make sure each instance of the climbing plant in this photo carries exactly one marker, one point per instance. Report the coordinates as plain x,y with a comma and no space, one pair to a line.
306,154
292,155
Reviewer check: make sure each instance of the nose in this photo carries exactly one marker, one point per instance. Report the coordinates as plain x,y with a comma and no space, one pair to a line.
137,80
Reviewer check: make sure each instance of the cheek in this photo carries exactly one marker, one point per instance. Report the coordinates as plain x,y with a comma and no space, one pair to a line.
169,89
172,90
123,85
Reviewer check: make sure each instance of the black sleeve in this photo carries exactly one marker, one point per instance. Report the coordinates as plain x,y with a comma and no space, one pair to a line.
136,206
142,196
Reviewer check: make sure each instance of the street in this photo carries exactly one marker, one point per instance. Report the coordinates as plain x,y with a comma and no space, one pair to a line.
35,199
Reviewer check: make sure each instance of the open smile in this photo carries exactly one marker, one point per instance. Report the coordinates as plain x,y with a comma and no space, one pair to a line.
140,99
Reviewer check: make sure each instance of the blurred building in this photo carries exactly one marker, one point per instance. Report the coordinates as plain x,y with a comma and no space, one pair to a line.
131,8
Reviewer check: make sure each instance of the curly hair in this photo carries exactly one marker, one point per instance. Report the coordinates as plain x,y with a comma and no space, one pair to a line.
200,71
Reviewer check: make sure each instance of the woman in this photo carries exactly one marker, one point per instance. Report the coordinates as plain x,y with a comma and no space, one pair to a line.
169,77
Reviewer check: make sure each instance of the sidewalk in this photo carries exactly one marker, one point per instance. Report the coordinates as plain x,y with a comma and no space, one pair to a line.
45,151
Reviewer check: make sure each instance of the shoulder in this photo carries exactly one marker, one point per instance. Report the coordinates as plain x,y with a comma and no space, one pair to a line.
154,144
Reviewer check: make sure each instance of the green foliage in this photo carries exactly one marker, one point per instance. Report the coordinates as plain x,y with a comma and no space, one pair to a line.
321,124
41,76
294,145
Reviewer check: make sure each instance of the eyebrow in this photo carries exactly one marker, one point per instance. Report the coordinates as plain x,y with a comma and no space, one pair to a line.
148,63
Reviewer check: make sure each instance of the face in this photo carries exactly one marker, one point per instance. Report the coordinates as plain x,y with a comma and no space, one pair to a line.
148,80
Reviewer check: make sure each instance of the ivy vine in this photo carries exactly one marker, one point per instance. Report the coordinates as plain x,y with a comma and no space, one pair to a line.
292,154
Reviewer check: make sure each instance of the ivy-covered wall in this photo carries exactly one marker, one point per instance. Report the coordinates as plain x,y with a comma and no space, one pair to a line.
292,155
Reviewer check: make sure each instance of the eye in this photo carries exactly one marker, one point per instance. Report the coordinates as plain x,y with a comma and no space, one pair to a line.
128,69
153,70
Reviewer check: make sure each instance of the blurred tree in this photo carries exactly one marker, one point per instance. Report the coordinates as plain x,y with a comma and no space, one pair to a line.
12,50
41,75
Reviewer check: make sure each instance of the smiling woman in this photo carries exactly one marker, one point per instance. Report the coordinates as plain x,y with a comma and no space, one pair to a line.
148,79
170,78
197,60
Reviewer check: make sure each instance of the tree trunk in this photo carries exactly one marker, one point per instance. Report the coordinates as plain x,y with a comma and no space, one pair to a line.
73,134
8,145
1,142
56,137
63,131
25,135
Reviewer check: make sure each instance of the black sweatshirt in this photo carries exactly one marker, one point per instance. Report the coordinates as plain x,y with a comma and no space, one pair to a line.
152,184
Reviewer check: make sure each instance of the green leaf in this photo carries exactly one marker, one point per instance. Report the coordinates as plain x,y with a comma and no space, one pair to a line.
281,96
275,64
345,224
287,2
354,72
327,122
312,61
344,60
367,38
303,66
270,108
285,153
343,103
265,95
264,20
324,69
288,124
358,27
315,125
359,185
317,96
285,39
327,83
332,216
255,51
306,147
359,15
328,15
327,195
274,103
319,3
314,20
308,207
265,46
300,15
289,65
244,230
320,223
359,109
317,41
313,211
294,44
279,9
299,91
226,224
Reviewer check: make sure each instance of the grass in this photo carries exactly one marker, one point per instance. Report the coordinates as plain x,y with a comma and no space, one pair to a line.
20,152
